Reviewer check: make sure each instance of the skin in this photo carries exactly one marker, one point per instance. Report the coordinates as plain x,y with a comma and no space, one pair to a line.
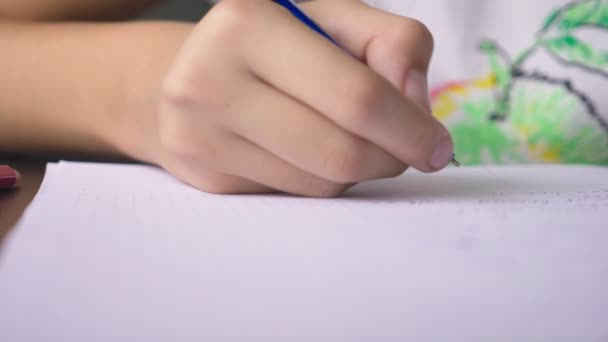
63,10
229,105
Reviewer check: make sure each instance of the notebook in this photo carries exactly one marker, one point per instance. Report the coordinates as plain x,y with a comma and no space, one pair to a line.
128,253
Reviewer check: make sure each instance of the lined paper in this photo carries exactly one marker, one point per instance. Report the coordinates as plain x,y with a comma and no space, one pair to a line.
128,253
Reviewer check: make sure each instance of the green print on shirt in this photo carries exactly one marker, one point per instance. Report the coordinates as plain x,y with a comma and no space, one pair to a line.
517,115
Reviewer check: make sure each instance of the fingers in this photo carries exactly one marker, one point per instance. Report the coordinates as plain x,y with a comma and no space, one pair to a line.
253,171
397,48
308,140
255,101
346,91
221,184
265,168
216,160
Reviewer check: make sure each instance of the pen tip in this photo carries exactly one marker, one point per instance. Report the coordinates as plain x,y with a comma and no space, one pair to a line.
454,161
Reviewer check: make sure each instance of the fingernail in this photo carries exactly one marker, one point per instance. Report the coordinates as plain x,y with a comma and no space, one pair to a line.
417,89
9,177
443,154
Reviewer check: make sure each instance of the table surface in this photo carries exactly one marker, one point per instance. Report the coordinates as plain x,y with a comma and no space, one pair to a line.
14,202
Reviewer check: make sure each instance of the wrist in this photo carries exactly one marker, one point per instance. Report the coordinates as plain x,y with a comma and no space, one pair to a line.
134,127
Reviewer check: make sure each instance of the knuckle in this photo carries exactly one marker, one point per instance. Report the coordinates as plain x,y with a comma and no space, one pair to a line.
417,30
345,163
177,90
193,92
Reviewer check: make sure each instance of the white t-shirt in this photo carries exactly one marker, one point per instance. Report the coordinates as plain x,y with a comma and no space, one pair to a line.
518,80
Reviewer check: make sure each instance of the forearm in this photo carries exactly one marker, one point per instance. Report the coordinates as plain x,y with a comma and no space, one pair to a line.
79,88
73,9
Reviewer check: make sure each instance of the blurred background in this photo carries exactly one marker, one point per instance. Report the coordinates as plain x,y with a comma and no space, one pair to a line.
189,10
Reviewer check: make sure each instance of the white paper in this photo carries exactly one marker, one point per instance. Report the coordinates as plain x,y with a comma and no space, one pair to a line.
128,253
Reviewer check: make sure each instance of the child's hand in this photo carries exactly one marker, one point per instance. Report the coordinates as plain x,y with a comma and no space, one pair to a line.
256,101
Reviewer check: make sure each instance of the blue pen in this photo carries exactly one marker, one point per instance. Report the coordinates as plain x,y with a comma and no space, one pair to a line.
308,21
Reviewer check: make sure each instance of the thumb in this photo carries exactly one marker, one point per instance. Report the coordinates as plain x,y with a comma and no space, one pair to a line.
396,47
